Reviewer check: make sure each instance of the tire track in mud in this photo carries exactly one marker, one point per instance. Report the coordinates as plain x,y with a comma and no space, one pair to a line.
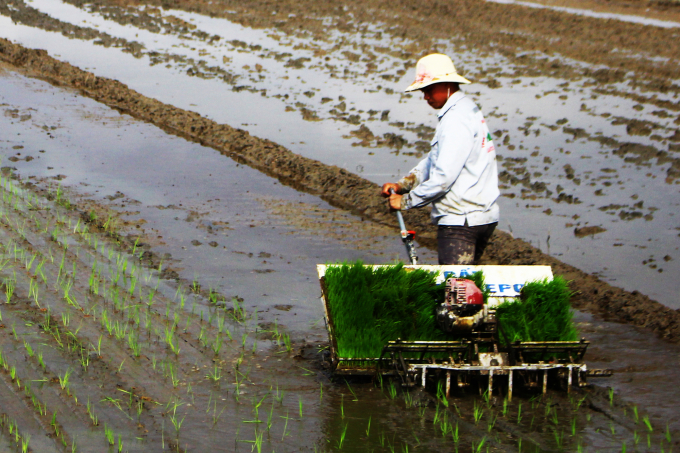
335,185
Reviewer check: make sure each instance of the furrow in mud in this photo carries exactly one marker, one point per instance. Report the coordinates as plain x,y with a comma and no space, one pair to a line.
337,186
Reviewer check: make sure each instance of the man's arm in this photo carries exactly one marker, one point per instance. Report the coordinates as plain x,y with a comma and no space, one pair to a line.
455,145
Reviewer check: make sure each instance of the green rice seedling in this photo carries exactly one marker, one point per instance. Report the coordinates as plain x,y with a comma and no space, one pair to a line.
667,434
519,413
41,362
9,289
368,427
216,345
354,395
636,437
108,434
573,426
382,438
29,349
505,407
441,394
647,423
29,262
554,418
529,318
341,441
133,284
368,307
611,396
256,406
408,399
455,435
269,417
133,342
477,448
559,438
173,375
91,414
177,423
24,443
39,271
392,390
478,412
182,300
279,394
579,403
444,423
342,406
215,375
216,416
64,381
84,359
636,415
169,335
239,311
300,405
491,422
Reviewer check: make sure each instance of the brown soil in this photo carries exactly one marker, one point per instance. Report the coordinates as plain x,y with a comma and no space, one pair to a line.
510,30
335,185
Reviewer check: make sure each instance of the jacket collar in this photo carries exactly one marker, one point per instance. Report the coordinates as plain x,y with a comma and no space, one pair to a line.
453,100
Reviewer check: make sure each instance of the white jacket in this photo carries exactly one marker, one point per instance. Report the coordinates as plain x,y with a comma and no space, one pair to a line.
459,176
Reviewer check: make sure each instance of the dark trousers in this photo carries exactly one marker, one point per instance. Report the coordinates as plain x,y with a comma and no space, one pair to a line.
463,244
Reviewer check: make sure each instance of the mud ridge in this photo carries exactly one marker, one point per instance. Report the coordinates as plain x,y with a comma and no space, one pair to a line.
335,185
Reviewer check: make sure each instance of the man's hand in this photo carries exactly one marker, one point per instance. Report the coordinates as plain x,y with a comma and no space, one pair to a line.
395,202
390,185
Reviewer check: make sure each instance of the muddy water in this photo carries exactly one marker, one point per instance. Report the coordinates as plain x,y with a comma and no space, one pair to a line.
571,177
262,245
228,225
643,367
599,15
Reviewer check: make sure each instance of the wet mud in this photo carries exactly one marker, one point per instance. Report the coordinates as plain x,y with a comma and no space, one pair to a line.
574,115
109,344
100,352
115,336
337,186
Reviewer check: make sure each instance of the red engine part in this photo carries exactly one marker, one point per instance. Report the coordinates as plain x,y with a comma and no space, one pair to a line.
463,291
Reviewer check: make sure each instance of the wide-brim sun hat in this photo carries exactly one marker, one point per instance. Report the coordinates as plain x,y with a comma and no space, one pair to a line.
435,68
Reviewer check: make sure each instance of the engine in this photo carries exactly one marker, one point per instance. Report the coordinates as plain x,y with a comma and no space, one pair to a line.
463,309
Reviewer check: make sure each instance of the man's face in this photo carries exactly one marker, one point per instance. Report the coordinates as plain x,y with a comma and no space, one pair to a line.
437,94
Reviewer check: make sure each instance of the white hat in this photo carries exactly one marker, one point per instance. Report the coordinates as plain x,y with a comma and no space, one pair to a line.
435,68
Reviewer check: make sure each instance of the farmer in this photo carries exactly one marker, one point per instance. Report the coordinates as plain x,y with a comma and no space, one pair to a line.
459,176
